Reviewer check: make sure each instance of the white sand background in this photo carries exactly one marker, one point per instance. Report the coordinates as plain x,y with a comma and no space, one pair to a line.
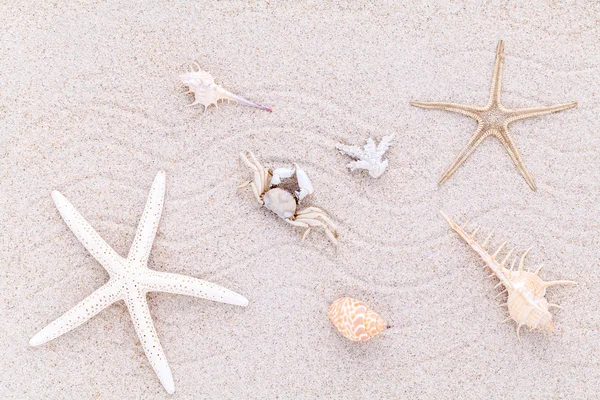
90,105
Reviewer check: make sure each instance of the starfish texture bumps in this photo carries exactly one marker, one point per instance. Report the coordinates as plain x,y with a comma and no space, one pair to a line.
493,120
368,158
130,280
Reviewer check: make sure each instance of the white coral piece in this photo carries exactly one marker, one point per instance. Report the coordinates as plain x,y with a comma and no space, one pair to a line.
368,158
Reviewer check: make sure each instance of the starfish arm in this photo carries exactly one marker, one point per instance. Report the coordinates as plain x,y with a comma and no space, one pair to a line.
475,140
91,240
524,113
156,281
81,313
469,111
146,231
508,143
497,76
142,321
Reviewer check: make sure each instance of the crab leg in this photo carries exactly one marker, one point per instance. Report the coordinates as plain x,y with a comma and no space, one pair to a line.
316,216
251,165
254,190
260,176
314,212
300,224
310,210
297,223
312,223
331,236
264,183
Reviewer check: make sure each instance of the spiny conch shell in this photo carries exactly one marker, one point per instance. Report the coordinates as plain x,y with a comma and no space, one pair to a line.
355,320
207,92
526,290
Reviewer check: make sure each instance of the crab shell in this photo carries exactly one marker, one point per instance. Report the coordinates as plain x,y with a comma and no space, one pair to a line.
355,320
281,202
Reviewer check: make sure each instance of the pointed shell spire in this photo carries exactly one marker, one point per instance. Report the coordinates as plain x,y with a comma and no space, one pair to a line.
355,320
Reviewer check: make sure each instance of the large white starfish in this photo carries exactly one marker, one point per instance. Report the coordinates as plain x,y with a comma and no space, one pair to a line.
130,280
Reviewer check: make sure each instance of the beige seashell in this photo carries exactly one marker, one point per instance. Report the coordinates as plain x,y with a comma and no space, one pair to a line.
355,320
526,303
207,92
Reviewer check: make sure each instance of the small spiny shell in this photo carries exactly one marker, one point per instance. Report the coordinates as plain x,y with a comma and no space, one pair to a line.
207,92
526,291
355,320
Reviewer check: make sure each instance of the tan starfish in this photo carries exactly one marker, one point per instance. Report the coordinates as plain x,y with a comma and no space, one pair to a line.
493,120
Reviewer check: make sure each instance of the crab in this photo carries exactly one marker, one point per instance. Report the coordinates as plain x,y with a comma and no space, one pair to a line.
268,191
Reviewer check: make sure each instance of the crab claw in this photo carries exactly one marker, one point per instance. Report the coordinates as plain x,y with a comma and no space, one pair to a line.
304,183
300,194
281,173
